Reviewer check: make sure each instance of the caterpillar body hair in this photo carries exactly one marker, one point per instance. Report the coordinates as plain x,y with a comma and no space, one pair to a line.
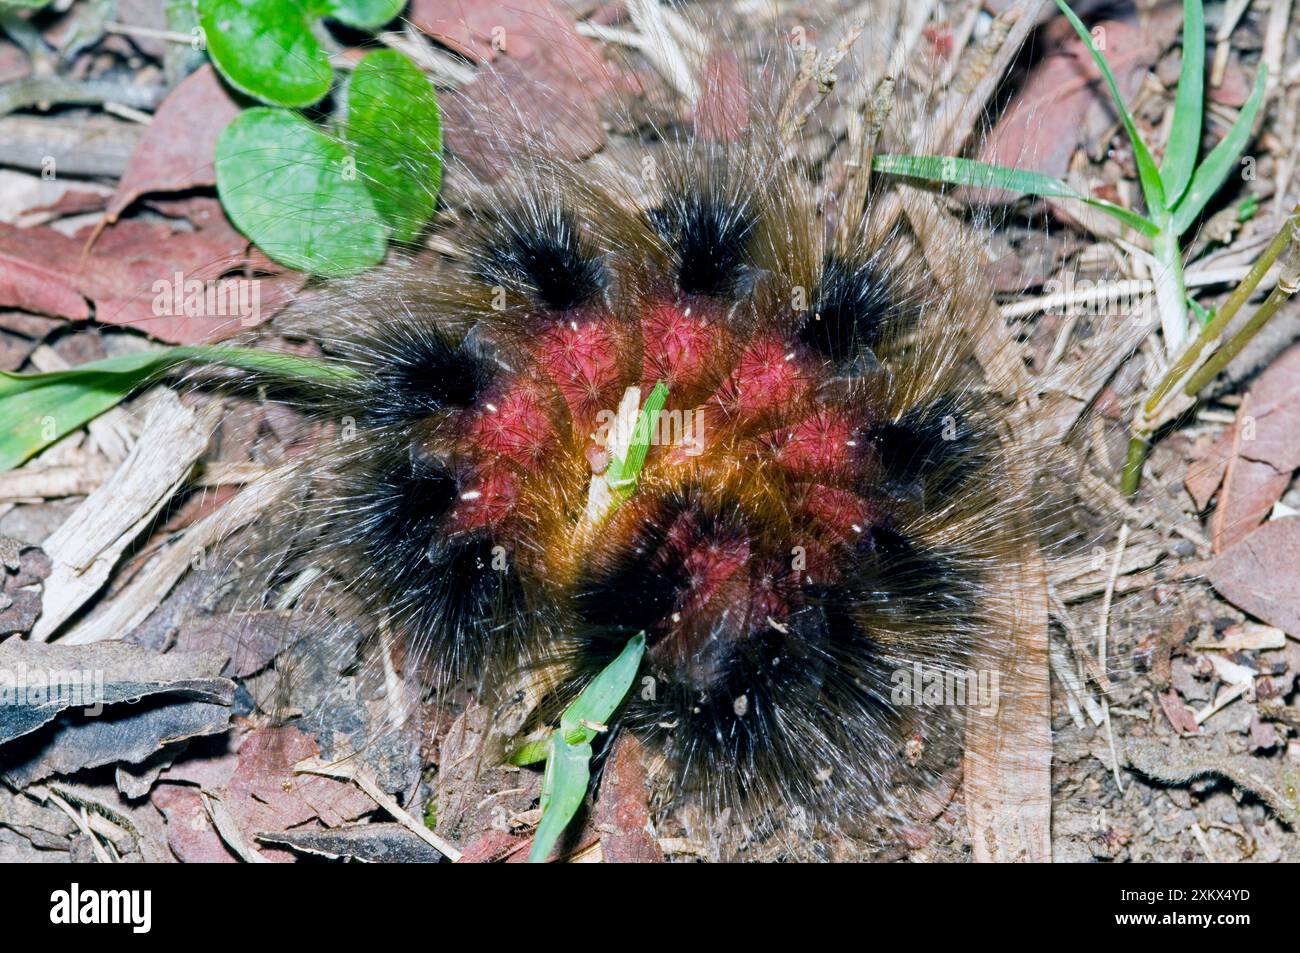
842,492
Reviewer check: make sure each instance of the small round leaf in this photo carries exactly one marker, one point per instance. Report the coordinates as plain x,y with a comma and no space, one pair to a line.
297,194
364,14
265,48
396,129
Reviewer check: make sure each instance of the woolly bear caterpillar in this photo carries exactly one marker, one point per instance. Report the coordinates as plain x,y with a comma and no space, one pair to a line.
838,515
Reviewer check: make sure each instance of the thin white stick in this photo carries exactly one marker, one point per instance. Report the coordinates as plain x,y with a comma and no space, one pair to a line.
349,772
1102,626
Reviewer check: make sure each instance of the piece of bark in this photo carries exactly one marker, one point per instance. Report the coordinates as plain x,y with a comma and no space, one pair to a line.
622,812
380,843
88,545
94,676
82,145
1008,761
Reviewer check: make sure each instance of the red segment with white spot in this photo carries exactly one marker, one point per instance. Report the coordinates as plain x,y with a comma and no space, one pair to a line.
486,500
682,342
769,377
581,356
822,446
512,426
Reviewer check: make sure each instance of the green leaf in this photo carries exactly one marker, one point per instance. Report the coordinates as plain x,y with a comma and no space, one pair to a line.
623,472
1211,174
597,704
532,752
266,48
564,785
1148,173
295,192
364,14
396,130
568,749
38,409
23,4
1203,316
954,170
601,698
1184,146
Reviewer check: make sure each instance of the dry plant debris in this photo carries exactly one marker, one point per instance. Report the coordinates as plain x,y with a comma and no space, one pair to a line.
1178,728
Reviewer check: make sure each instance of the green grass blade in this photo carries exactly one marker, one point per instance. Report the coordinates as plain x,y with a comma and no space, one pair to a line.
1148,173
1184,146
624,471
954,170
601,698
1213,172
1131,219
273,363
38,409
568,749
564,785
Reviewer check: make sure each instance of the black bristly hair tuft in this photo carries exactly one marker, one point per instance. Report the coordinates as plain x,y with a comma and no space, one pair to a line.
852,310
417,369
930,451
913,583
709,239
451,586
543,255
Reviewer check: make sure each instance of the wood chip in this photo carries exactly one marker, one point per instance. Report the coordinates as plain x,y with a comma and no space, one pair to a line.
88,545
1008,762
133,604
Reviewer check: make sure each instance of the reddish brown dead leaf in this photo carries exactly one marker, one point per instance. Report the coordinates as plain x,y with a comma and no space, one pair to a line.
621,815
1180,716
1008,761
30,278
484,29
492,847
175,153
1205,473
1261,574
1265,451
169,283
265,794
519,102
1062,102
190,833
140,275
543,86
